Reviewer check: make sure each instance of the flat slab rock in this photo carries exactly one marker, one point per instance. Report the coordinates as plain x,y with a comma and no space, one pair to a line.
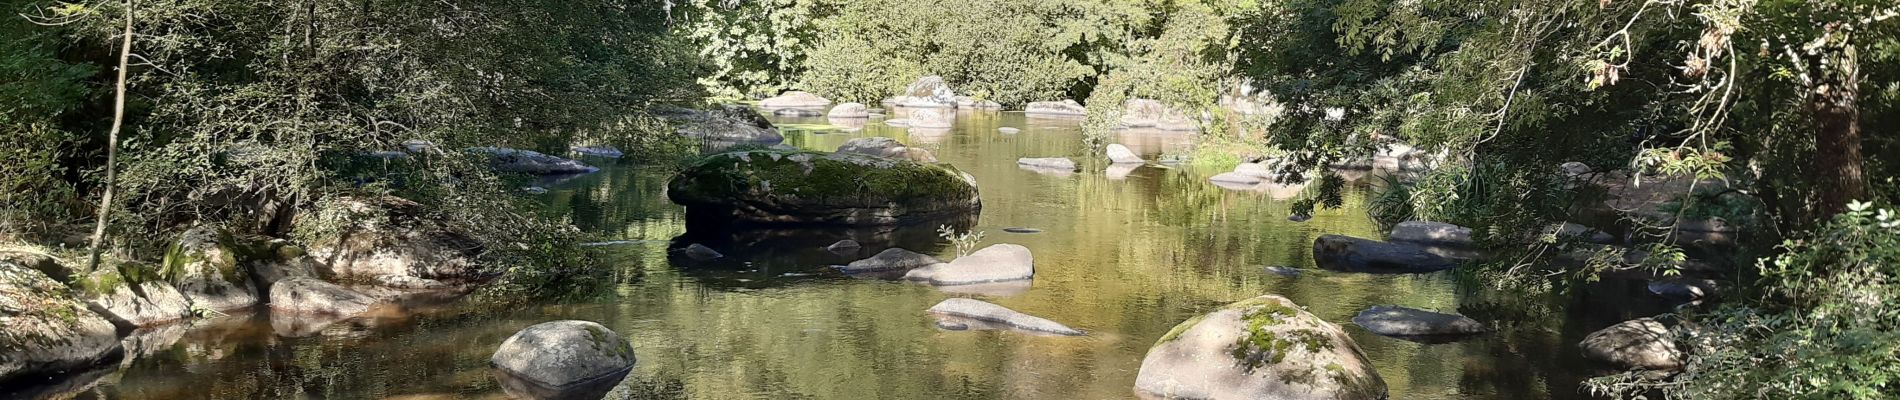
991,313
891,259
1404,321
1055,163
1431,233
997,263
1351,254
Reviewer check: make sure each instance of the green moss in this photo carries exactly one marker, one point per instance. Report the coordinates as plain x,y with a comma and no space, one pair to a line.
1181,329
604,339
1261,346
824,177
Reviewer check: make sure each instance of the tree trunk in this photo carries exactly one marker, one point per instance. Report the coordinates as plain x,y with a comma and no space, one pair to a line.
112,144
1833,94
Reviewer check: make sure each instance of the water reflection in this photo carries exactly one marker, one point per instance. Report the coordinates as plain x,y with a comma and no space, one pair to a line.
1125,253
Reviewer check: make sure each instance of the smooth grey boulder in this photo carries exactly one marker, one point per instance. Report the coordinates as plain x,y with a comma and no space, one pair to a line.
530,162
1065,108
1235,178
996,263
796,112
971,309
928,92
1404,321
891,259
44,329
886,147
700,252
314,296
1575,169
795,99
849,110
134,303
598,151
1262,348
562,360
846,246
1119,154
731,124
1053,163
1642,343
1351,254
1431,234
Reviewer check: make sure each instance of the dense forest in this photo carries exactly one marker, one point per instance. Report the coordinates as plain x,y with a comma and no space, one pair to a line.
129,124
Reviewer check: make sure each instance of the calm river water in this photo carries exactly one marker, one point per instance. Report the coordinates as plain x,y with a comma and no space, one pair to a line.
1125,254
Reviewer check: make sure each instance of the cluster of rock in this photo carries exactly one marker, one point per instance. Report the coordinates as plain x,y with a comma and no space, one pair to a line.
530,162
56,316
838,188
1056,109
933,92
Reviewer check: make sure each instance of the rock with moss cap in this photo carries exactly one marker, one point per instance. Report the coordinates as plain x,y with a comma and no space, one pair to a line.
393,240
804,187
133,295
1262,348
562,359
205,267
43,328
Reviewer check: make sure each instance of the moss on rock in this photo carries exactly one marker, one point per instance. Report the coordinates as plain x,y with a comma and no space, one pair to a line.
782,186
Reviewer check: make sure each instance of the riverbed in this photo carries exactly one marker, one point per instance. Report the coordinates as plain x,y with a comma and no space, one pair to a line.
1124,253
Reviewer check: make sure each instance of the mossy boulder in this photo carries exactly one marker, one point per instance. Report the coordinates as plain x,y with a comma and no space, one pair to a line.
394,242
805,187
1261,348
132,294
44,328
205,266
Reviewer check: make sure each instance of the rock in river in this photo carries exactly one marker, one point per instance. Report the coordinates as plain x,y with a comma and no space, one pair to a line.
43,329
1642,343
530,162
1119,154
132,295
1431,234
846,246
562,360
804,187
732,124
204,266
928,92
393,239
1049,163
891,259
997,263
1065,108
796,99
1262,348
886,147
314,296
700,252
1410,322
849,110
1351,254
983,312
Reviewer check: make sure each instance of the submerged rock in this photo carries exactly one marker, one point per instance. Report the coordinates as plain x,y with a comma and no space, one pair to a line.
1234,178
700,252
44,329
1262,348
1411,322
1052,163
530,162
930,118
562,360
1351,254
997,263
846,246
891,259
1642,343
985,312
1021,230
1283,271
795,99
599,151
1431,233
803,187
1065,108
1008,130
314,296
1119,154
849,110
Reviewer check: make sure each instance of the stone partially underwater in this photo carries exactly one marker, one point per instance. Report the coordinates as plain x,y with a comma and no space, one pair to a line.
1261,348
783,187
562,360
976,314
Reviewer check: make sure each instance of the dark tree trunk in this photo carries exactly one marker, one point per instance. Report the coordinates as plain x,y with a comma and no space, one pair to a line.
1833,93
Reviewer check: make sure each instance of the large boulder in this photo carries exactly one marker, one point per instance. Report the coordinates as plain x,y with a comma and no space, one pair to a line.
1642,343
795,99
133,295
1262,348
1431,234
966,311
1412,322
394,241
803,187
1119,154
314,296
562,359
731,124
928,92
530,162
206,265
997,263
886,147
1351,254
891,259
849,110
1065,108
44,329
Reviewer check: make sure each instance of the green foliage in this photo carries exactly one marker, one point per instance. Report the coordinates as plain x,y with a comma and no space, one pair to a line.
1832,333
